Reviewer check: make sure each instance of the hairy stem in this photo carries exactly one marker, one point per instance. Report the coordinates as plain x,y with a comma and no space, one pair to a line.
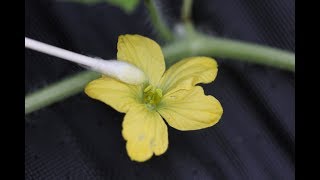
58,91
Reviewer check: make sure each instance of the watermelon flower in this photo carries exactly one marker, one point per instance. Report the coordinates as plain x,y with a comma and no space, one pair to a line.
171,95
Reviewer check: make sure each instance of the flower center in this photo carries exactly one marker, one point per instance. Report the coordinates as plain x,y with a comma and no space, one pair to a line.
152,96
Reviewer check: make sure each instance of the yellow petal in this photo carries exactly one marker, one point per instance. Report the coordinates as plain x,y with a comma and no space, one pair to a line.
190,109
118,95
143,52
188,72
146,133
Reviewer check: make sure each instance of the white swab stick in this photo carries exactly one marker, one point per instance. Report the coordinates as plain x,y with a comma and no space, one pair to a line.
117,69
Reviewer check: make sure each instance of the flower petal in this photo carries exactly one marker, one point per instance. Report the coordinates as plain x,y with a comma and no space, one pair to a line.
188,72
146,133
118,95
190,109
143,52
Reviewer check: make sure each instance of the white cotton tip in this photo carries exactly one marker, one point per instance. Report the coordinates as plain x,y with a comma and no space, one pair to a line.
129,73
121,70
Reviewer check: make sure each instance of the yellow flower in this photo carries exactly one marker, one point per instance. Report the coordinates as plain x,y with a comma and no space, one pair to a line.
172,95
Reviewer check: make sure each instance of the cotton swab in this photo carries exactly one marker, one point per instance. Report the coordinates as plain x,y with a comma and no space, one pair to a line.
120,70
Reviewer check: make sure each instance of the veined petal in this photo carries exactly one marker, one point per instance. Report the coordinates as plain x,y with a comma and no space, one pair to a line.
146,133
143,52
189,72
116,94
190,109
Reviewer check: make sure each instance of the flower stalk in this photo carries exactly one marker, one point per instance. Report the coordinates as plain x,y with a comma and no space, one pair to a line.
158,22
186,10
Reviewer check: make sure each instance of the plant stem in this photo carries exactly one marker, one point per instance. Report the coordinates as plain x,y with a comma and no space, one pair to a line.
186,10
58,91
157,20
203,45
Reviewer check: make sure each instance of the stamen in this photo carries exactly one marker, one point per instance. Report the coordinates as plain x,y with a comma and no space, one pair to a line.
152,96
147,88
159,92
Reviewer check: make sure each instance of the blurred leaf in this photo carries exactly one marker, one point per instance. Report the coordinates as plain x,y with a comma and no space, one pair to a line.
86,1
126,5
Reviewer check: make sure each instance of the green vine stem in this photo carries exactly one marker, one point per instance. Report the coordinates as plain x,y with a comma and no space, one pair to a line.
157,21
203,45
58,91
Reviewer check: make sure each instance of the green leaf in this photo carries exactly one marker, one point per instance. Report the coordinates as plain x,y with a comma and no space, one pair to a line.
126,5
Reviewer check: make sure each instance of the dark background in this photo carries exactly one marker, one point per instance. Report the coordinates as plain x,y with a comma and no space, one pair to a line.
80,138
